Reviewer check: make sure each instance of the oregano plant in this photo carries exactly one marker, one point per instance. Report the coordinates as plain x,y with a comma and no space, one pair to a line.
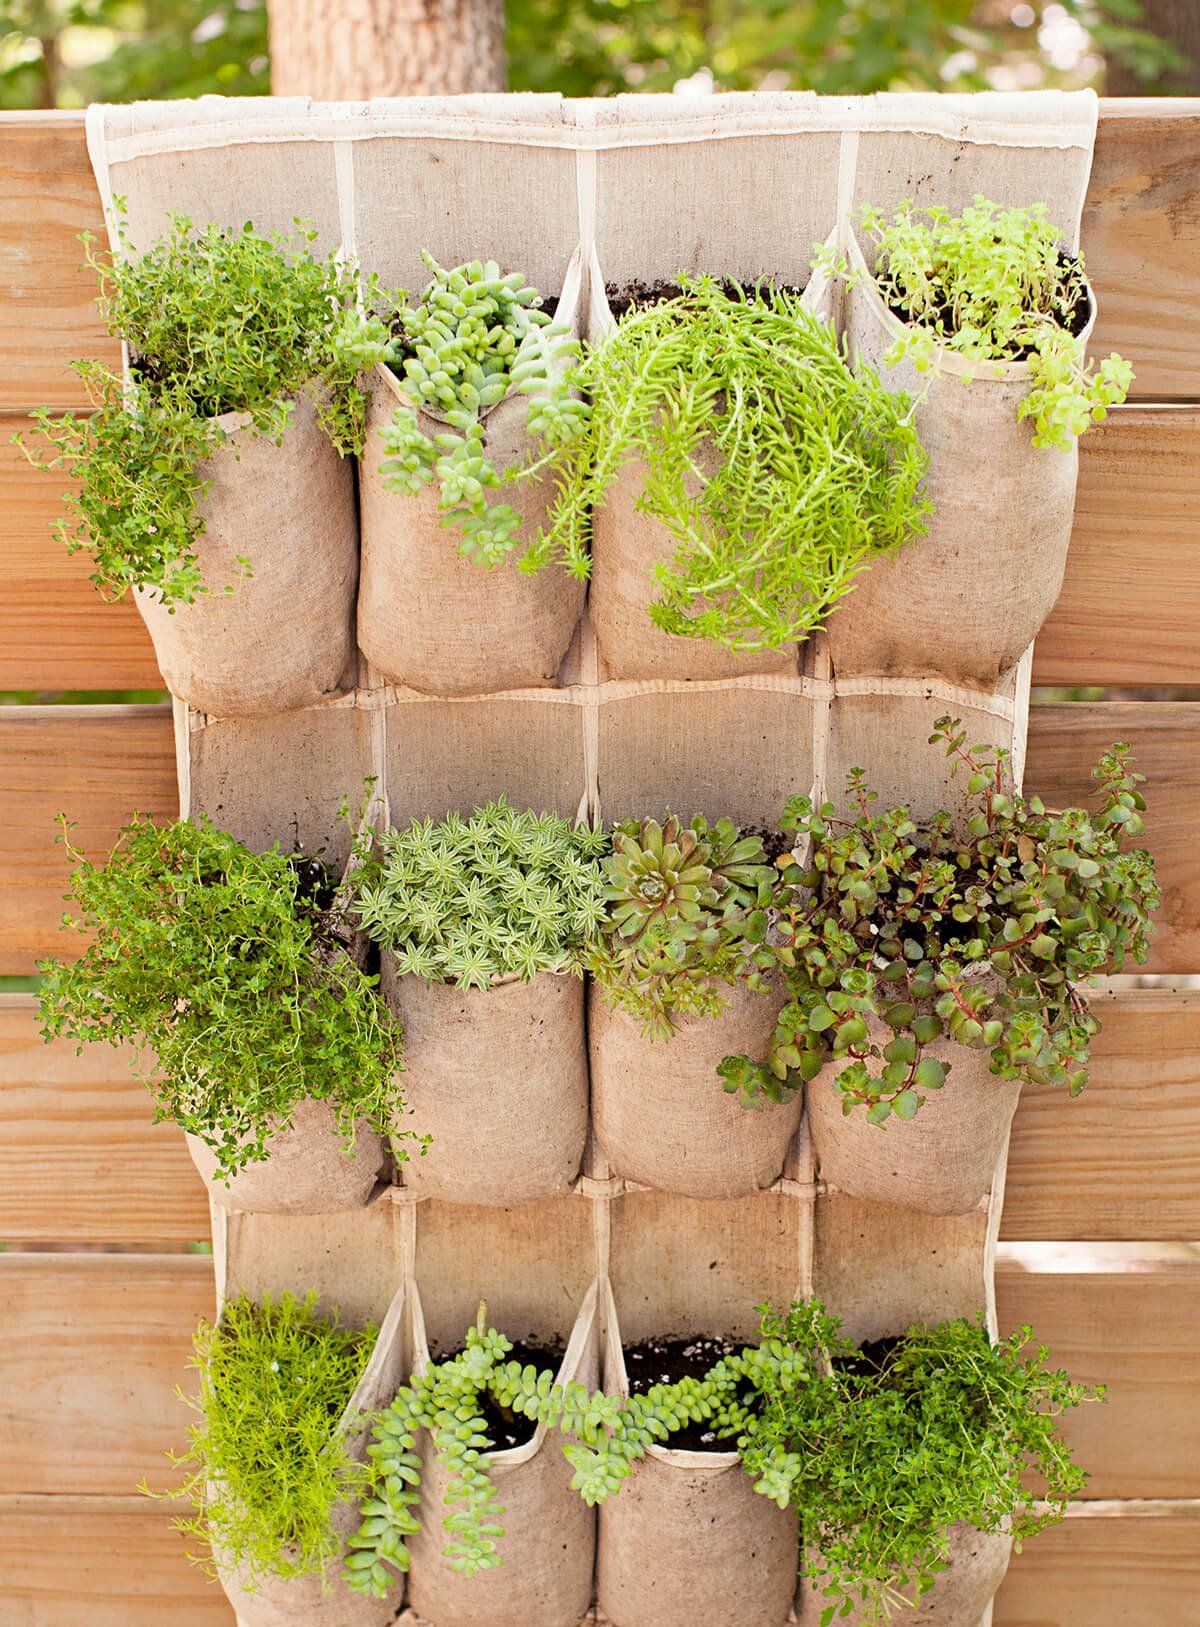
216,321
983,932
993,285
780,473
231,972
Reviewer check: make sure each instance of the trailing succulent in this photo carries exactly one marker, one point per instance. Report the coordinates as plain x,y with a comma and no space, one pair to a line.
994,285
504,893
231,972
887,926
685,911
267,1463
216,322
780,473
473,337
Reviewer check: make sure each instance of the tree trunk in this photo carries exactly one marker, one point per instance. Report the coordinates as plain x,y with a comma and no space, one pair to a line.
1179,22
351,50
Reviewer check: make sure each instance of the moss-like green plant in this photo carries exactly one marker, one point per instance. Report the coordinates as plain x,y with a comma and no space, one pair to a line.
267,1464
472,337
685,914
809,473
505,893
234,978
446,1400
216,322
994,285
982,936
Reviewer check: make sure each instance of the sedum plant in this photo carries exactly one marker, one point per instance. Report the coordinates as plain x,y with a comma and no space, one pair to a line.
685,912
267,1465
915,930
216,322
994,285
504,893
473,337
780,474
231,973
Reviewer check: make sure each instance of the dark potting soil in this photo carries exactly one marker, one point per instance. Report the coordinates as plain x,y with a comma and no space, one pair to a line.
666,1361
1074,325
622,299
871,1358
506,1429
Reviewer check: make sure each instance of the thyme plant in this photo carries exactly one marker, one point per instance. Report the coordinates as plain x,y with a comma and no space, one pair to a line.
504,893
266,1464
780,474
216,322
685,913
994,285
233,977
473,337
983,936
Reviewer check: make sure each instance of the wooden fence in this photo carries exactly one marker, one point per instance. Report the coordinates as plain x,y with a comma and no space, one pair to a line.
93,1345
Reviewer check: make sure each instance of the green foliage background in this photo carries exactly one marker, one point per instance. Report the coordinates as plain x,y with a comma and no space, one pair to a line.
65,53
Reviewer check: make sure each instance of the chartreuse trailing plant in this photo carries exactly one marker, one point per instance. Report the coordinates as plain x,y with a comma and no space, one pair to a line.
982,935
216,321
231,972
809,472
995,285
472,337
685,914
266,1463
879,1460
505,893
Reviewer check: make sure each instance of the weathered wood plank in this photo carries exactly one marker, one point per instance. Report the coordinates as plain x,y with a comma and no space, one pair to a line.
1122,1162
80,1159
96,764
1135,1331
94,1348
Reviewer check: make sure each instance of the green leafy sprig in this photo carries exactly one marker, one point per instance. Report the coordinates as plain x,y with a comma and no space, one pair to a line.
780,474
504,893
982,936
216,322
237,987
473,338
994,285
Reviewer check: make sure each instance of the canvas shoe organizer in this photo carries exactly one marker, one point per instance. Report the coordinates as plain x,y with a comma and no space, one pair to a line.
595,1188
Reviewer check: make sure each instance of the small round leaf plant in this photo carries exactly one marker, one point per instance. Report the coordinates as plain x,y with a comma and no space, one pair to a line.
779,472
994,285
474,337
232,974
981,934
504,893
267,1464
216,322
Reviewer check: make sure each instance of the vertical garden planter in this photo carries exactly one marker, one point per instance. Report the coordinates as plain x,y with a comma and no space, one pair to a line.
498,1078
963,602
284,637
309,1170
687,1539
430,619
549,1542
962,1592
659,1109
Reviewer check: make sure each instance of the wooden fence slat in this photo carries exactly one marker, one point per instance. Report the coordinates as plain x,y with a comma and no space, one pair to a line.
1122,1162
96,764
80,1159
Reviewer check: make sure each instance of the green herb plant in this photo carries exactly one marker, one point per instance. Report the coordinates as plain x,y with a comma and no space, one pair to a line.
503,893
685,915
981,934
780,473
232,974
473,337
993,285
216,322
267,1464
